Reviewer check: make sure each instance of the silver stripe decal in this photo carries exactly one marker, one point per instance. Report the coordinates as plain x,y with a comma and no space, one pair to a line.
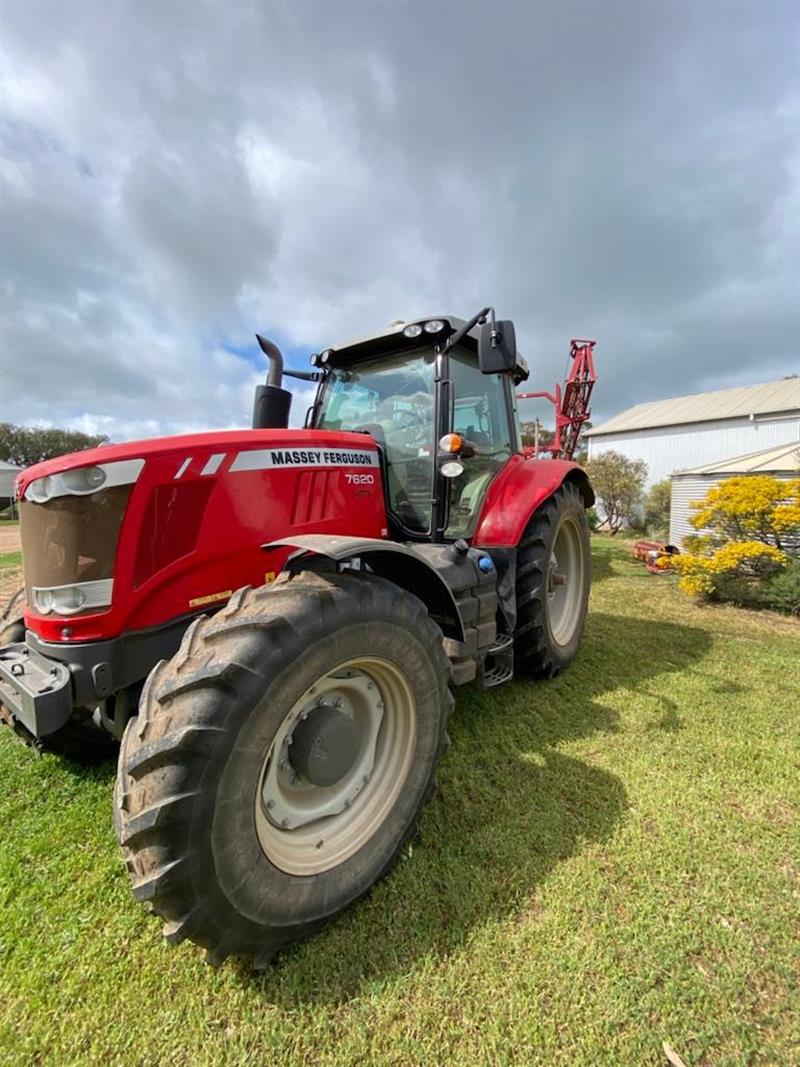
213,463
183,467
261,459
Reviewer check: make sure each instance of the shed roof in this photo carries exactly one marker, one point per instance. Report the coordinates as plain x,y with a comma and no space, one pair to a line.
767,399
784,459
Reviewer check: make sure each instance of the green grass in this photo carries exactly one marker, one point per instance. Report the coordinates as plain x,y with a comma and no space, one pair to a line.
612,863
10,559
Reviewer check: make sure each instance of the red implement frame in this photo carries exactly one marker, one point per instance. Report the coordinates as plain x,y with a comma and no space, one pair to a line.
571,402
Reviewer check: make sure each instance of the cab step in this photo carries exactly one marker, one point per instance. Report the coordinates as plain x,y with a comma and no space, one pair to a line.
498,667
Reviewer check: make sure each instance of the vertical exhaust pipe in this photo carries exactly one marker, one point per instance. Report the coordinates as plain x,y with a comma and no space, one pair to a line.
272,403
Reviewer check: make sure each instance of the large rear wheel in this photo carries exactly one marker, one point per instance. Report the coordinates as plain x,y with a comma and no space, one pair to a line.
281,759
553,579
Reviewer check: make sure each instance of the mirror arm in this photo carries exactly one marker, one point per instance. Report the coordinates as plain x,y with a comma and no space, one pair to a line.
454,338
304,375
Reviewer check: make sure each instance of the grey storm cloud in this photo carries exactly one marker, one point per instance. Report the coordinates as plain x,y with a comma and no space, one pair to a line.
179,175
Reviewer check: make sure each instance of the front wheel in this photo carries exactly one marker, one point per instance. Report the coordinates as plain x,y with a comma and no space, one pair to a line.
281,759
553,579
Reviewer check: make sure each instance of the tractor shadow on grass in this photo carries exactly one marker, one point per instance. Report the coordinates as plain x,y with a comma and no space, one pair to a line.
512,806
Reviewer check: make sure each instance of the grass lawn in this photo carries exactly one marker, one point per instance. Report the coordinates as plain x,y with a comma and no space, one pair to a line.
612,863
10,559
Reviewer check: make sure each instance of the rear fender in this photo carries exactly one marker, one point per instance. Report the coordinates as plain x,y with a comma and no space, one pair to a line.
401,564
518,491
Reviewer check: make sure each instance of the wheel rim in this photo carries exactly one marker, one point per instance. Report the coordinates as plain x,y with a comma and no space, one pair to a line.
565,582
357,724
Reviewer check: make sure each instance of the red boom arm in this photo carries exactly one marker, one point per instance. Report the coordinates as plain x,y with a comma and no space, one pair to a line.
572,402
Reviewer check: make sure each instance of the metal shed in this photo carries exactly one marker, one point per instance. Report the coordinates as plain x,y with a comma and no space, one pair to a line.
8,473
670,435
689,485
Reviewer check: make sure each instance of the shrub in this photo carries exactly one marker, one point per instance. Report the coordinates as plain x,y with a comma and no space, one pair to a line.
754,507
739,565
617,482
657,507
782,591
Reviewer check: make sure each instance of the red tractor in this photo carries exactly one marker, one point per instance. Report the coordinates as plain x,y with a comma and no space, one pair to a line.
271,621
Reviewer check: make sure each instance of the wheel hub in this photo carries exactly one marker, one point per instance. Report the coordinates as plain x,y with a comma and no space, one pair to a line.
324,745
335,766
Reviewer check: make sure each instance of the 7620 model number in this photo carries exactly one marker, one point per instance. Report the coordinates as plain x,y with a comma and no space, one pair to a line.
360,479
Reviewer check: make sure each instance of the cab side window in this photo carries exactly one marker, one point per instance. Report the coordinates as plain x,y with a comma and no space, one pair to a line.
481,416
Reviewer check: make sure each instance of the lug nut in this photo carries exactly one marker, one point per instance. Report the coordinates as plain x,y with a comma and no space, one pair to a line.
270,805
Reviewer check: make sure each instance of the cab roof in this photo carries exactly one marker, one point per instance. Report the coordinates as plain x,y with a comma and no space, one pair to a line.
386,340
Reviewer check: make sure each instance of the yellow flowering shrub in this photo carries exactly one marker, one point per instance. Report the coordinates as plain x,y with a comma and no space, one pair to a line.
754,507
745,524
744,560
786,517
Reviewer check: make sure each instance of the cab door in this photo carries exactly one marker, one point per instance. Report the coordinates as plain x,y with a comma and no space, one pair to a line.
483,415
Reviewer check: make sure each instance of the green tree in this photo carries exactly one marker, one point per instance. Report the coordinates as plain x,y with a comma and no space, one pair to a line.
25,445
528,431
618,483
657,507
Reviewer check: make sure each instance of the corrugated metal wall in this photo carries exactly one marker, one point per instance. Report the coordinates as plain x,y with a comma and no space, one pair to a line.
684,490
689,487
667,449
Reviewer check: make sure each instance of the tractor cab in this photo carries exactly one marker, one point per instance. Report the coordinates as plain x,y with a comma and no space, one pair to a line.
438,397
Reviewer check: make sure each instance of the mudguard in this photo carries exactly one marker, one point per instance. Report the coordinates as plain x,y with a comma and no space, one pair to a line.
518,490
403,564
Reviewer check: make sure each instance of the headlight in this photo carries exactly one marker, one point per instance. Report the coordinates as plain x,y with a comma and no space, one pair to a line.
414,330
81,481
434,326
40,490
452,468
84,479
71,599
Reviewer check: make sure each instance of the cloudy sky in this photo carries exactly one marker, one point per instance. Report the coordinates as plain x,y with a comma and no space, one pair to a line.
177,175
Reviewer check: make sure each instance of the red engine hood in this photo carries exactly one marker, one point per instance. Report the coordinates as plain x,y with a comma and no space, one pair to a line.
184,444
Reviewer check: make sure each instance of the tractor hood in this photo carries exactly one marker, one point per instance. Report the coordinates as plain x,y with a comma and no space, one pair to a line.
186,445
130,536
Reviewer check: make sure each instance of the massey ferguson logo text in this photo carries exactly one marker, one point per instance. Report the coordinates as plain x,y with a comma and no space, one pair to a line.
285,458
269,458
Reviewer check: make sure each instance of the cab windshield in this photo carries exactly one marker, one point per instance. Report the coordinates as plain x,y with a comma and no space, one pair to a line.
392,399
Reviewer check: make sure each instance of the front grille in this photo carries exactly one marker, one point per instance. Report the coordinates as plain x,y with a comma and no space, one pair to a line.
71,538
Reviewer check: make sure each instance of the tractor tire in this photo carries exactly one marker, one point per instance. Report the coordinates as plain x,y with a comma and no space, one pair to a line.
241,822
553,580
79,739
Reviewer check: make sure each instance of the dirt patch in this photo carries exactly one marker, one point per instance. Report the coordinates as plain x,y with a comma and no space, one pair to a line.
9,539
10,582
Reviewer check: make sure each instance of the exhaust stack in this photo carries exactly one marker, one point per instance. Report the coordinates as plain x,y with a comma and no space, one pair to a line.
272,402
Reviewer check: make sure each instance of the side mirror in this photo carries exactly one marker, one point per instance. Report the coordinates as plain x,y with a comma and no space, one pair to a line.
499,353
